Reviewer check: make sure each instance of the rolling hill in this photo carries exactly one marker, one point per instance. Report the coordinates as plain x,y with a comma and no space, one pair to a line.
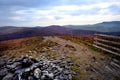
8,33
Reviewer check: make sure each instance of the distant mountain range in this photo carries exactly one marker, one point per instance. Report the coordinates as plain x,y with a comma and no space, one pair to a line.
113,26
12,32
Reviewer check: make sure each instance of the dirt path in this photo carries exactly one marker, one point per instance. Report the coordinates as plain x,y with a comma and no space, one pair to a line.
82,51
63,43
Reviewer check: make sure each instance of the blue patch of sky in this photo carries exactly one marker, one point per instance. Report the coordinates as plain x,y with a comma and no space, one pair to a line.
115,9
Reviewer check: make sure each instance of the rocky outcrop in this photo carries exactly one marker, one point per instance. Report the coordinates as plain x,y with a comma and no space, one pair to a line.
26,68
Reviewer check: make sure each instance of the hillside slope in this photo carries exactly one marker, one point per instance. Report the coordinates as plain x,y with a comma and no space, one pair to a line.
54,47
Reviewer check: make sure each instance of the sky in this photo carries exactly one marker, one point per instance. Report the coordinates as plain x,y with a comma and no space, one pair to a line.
57,12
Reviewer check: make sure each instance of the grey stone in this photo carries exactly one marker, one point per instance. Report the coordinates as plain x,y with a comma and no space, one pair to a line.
12,66
66,72
37,73
31,78
50,75
2,63
3,73
8,77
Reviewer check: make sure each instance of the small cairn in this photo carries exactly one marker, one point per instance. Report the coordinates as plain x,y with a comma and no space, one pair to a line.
27,68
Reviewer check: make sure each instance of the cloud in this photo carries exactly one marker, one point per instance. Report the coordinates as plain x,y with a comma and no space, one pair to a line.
67,8
86,7
73,20
62,11
87,19
46,12
18,18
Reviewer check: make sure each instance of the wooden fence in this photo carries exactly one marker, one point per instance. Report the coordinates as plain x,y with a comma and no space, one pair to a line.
107,43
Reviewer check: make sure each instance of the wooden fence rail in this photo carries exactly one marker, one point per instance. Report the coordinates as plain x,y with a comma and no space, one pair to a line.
107,43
